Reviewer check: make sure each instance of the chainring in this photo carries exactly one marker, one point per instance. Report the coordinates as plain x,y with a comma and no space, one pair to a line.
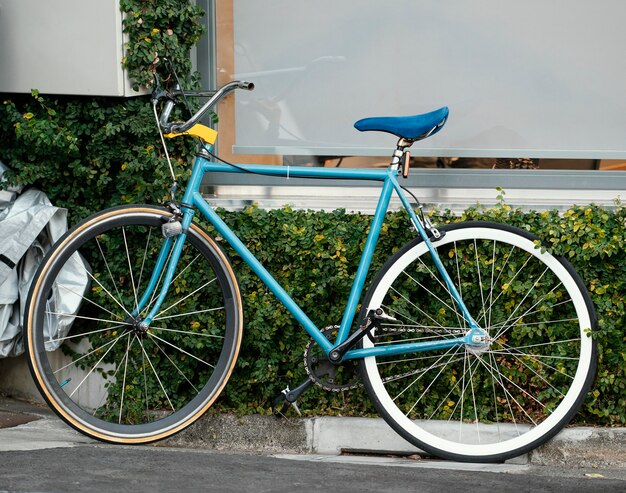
334,378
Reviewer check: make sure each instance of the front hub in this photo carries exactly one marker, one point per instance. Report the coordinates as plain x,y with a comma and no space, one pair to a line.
138,326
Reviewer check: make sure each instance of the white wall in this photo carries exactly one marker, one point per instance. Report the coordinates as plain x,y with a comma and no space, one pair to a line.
539,78
62,47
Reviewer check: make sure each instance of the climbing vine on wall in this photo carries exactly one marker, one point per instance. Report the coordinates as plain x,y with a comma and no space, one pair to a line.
90,153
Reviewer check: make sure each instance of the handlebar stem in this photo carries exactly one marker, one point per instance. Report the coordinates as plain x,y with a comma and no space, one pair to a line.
167,110
183,127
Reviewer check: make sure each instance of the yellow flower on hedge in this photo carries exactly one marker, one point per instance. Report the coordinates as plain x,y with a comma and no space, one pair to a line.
154,31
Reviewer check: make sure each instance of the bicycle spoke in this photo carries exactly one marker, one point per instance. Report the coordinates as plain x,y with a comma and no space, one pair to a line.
419,371
107,292
513,351
199,334
208,310
459,285
175,365
157,290
95,366
504,329
183,299
541,376
552,306
89,300
433,380
163,270
531,324
424,371
145,377
83,334
157,377
130,269
510,281
476,420
432,294
90,353
128,345
506,393
480,281
144,257
93,319
103,399
445,399
577,339
523,391
493,268
106,263
495,400
397,314
180,349
416,307
535,357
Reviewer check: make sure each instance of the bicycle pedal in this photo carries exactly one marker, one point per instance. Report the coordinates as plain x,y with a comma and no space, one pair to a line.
295,406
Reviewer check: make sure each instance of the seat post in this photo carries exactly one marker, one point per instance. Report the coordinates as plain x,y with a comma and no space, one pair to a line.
399,153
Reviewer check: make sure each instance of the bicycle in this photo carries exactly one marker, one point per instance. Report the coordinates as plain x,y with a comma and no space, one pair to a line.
473,342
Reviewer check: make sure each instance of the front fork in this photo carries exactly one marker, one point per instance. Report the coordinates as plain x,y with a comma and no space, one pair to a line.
175,235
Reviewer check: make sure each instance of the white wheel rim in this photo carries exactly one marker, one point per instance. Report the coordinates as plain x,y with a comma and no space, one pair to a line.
535,433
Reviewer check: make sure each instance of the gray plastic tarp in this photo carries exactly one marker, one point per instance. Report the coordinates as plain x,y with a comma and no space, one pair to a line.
29,225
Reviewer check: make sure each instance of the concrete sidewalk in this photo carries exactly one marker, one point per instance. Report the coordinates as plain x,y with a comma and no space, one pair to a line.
34,426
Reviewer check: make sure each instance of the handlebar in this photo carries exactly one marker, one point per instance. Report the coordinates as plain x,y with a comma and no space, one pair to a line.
215,97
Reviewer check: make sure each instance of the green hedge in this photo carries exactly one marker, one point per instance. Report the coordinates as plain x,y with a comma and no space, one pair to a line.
314,256
90,153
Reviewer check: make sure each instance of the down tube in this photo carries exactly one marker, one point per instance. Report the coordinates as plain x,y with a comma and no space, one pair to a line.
260,271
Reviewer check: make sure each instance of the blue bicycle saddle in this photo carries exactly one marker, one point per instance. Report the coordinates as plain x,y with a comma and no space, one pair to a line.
407,127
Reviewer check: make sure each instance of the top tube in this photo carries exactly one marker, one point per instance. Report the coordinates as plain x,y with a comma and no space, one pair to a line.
300,171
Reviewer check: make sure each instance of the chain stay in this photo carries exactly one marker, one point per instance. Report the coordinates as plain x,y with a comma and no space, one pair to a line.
355,385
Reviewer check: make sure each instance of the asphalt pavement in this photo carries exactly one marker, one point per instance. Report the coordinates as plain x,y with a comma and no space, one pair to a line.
39,453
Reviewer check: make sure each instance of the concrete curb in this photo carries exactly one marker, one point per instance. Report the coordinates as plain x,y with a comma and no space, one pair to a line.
573,447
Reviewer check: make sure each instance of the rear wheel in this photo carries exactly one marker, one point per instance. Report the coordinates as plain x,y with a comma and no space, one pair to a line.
102,371
493,402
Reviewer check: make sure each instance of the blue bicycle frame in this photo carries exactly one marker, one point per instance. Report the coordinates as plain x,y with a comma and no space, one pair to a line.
172,247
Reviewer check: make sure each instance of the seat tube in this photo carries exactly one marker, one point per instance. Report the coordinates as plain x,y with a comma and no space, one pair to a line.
366,258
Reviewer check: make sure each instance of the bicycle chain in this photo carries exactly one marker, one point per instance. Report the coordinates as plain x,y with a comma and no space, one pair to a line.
332,387
414,330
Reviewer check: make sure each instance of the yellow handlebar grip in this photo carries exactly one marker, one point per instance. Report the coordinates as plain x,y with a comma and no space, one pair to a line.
205,134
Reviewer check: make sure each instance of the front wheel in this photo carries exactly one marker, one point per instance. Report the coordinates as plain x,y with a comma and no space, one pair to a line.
103,371
508,396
